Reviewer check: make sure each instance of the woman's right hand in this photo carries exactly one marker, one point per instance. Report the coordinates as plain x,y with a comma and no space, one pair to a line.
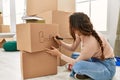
58,41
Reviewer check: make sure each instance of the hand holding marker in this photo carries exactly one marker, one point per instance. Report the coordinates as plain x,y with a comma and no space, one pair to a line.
59,38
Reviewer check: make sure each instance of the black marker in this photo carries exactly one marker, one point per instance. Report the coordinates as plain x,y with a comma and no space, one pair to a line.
59,38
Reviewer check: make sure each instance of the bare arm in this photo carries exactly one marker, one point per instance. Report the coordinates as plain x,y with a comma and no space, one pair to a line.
73,61
90,47
67,59
53,51
72,46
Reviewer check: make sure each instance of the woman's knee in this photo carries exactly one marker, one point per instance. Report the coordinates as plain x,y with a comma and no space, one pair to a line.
79,65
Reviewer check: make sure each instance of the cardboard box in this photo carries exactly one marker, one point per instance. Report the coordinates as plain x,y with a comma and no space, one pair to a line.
38,64
9,39
34,37
67,52
38,6
58,17
2,41
58,61
65,5
1,19
4,28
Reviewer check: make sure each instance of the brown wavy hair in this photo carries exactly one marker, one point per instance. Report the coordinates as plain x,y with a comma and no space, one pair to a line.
81,22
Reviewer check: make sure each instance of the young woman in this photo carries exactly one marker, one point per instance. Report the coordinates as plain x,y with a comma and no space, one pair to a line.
96,60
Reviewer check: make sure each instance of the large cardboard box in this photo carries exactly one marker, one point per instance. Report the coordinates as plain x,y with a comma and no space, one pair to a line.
4,28
34,37
38,64
67,52
58,17
34,7
38,6
1,19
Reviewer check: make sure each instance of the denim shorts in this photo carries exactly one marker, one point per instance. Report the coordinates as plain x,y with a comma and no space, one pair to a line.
95,69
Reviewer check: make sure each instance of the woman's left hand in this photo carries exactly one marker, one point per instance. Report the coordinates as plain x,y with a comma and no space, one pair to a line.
53,51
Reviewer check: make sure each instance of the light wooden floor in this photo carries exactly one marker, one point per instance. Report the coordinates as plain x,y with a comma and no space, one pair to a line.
10,69
64,75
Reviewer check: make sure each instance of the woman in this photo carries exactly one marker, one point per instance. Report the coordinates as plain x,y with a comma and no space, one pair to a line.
96,60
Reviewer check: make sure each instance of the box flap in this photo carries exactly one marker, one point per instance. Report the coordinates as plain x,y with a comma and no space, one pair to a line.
2,40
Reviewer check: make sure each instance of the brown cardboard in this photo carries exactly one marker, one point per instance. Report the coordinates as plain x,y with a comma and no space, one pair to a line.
38,6
58,61
1,19
4,28
2,41
67,52
38,64
34,37
9,39
58,17
65,5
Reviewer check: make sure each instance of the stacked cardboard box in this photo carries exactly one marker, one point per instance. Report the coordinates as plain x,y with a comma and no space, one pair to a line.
35,7
31,37
1,19
54,12
38,64
4,28
65,5
32,40
58,17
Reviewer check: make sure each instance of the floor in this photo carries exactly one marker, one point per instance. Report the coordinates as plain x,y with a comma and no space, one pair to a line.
10,69
63,74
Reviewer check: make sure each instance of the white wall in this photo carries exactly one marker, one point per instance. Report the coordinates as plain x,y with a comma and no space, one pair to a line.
13,17
0,5
113,10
